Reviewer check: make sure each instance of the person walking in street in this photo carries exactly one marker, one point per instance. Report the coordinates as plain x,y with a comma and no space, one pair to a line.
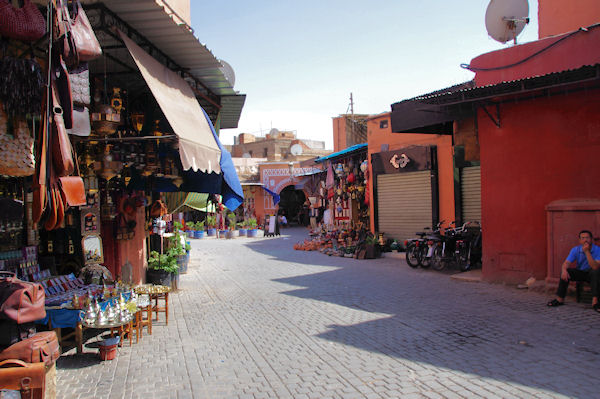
582,264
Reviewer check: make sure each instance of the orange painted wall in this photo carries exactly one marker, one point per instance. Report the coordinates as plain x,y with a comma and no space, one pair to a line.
378,136
560,16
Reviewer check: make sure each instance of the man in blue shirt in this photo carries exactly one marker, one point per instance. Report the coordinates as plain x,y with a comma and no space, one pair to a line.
582,264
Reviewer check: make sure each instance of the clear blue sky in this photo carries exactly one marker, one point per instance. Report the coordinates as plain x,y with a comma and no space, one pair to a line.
298,62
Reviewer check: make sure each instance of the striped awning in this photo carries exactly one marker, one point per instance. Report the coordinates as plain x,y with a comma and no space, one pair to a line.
198,201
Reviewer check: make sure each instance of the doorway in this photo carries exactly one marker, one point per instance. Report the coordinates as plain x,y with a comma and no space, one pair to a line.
290,205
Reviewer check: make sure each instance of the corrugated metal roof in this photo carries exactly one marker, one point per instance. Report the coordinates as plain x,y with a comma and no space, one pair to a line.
177,42
586,72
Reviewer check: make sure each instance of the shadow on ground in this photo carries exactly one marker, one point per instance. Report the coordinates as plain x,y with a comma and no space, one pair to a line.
488,331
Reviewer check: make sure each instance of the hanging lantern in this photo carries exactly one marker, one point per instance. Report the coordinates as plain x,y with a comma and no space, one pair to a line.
339,169
351,178
364,166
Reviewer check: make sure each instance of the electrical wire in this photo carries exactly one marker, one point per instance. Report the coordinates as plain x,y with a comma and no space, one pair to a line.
475,69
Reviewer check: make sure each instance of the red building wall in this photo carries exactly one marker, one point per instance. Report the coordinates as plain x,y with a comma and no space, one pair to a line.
560,16
546,149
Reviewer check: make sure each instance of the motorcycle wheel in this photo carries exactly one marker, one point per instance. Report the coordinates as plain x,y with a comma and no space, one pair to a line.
412,257
425,261
437,261
462,259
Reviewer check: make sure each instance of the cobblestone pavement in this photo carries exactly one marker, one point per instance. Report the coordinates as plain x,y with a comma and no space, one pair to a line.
256,319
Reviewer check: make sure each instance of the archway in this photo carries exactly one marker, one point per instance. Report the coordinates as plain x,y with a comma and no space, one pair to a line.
291,203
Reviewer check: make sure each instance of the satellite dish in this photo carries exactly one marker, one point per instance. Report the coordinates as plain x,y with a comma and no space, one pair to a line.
274,132
246,155
505,19
228,72
296,149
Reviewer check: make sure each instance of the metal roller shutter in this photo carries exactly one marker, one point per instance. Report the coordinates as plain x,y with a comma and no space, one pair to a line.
404,204
471,193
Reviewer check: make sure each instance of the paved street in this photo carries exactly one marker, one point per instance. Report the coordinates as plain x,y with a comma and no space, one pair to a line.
256,319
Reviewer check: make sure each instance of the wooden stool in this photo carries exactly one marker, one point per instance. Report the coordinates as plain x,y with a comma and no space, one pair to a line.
156,308
123,330
141,321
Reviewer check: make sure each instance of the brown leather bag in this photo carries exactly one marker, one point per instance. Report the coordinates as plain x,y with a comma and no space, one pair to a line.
62,158
28,378
21,301
86,43
42,347
40,198
73,190
72,187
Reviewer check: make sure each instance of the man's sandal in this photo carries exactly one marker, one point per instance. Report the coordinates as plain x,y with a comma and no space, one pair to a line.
554,303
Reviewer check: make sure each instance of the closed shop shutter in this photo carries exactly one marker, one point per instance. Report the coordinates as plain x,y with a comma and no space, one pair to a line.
404,204
471,193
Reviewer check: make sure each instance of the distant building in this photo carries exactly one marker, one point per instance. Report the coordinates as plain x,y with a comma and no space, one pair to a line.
349,130
277,146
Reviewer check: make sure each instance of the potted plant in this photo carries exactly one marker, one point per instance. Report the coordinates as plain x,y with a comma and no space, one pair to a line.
252,224
372,247
211,223
189,229
199,230
161,269
231,218
177,249
242,228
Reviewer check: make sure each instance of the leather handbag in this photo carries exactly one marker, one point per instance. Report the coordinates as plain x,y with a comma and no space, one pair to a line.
42,347
62,158
26,23
21,301
27,378
86,43
73,189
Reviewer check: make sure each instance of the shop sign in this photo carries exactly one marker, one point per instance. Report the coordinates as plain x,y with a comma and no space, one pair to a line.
399,161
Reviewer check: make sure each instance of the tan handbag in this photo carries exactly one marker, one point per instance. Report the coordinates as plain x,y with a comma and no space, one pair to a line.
16,147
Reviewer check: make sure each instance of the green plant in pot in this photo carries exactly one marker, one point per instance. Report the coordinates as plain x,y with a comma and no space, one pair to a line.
251,224
211,223
231,218
241,227
161,268
177,252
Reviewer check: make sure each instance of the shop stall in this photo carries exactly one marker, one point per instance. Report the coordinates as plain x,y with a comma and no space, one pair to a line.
93,132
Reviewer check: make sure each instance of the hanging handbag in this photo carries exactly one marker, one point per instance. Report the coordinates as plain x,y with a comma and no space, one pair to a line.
73,188
81,122
16,147
62,158
86,43
22,76
26,23
80,84
62,84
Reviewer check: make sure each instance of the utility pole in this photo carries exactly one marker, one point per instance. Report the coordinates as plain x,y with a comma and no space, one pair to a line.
351,119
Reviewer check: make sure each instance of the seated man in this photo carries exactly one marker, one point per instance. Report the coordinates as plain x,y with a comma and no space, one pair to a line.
282,220
587,259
